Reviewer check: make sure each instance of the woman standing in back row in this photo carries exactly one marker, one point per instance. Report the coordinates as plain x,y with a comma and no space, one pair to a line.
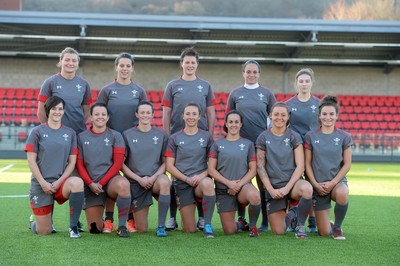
177,94
304,118
73,89
122,98
254,102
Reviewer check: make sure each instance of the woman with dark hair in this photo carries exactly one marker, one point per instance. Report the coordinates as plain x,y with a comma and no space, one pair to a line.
177,94
186,159
145,169
101,154
328,160
121,97
254,102
232,164
280,164
51,150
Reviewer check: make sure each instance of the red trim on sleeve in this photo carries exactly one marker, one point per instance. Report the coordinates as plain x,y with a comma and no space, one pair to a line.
83,173
306,145
119,150
213,102
212,155
89,101
42,98
29,147
253,158
75,151
118,161
166,103
169,153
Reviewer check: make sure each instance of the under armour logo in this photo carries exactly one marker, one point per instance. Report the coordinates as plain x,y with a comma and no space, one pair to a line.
241,97
181,142
316,141
180,89
107,141
114,92
134,140
242,146
267,142
294,109
45,136
59,87
221,147
86,142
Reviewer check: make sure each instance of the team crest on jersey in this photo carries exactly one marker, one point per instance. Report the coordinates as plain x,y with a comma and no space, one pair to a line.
336,140
155,139
35,199
287,140
79,87
65,136
200,88
106,141
261,96
134,92
313,107
242,146
201,140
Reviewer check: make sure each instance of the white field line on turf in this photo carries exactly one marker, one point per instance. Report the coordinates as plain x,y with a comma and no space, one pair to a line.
6,168
14,196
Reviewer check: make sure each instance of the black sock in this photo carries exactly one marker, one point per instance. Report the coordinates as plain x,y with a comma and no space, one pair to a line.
109,216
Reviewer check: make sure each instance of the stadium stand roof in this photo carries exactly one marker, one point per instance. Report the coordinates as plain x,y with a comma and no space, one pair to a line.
218,39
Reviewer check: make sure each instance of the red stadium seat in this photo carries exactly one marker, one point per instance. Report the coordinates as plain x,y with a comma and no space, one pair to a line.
361,117
392,125
370,117
353,117
379,117
22,136
393,110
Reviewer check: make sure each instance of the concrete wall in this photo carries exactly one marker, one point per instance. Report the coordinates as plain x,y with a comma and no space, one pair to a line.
30,73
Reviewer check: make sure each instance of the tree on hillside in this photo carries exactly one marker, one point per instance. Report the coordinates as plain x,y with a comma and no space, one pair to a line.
363,10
